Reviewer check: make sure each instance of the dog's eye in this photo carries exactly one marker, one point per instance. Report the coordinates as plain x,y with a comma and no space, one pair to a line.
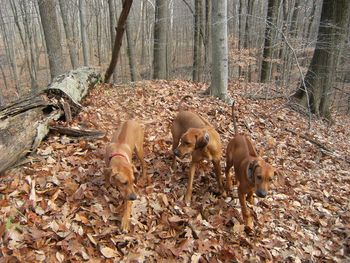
124,183
259,177
270,179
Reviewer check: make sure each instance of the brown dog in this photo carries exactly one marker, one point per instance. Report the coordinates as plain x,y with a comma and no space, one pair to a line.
252,172
120,172
198,138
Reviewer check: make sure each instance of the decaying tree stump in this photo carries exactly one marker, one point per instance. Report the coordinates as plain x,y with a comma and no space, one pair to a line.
24,123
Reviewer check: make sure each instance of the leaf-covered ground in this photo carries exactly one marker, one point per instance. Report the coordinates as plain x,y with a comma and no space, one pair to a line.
56,208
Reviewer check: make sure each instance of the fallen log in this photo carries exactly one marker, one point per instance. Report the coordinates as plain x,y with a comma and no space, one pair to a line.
25,123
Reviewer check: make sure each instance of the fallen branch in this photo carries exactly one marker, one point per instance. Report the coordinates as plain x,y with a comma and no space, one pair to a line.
324,149
264,97
319,144
75,132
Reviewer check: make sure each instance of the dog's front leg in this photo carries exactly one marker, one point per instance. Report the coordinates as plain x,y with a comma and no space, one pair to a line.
126,216
229,183
190,183
250,198
217,170
248,221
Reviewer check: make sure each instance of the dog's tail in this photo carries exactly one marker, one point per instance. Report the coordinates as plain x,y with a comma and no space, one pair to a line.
234,118
180,108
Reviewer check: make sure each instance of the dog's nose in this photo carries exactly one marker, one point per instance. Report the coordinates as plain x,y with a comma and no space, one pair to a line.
132,197
261,193
177,152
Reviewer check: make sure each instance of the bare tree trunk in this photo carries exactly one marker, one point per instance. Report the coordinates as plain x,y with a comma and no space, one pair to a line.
219,78
69,36
131,51
118,39
98,21
208,10
47,9
169,38
272,13
143,32
247,41
26,11
15,12
294,24
197,41
311,20
241,23
112,24
159,47
84,37
319,79
5,82
10,44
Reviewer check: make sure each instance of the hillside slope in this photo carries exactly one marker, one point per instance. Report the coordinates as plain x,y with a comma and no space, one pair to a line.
56,207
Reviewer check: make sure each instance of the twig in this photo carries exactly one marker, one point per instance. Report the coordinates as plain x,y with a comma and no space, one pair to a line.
309,139
261,97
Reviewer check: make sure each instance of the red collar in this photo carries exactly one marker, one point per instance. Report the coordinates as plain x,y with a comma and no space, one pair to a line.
120,155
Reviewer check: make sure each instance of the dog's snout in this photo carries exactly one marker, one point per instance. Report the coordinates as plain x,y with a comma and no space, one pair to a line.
177,152
132,197
261,193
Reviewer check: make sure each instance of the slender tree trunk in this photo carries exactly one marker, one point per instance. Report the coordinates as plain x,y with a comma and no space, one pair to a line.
219,79
247,24
112,24
242,22
10,44
197,43
131,51
159,46
169,37
26,10
33,82
98,21
69,36
208,10
247,38
5,82
143,32
47,9
118,39
320,76
311,20
83,29
272,13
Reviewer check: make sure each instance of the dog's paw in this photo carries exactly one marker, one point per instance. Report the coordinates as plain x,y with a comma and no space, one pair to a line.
187,201
125,226
249,223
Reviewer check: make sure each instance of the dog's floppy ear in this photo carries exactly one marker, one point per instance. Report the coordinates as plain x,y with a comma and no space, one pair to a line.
203,141
251,169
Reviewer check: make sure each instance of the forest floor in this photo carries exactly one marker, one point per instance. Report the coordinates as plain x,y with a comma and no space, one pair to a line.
56,207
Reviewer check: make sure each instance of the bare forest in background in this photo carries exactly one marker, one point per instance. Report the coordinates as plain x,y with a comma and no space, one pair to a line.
87,31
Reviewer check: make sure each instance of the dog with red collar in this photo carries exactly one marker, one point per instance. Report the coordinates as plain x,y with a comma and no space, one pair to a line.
120,170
